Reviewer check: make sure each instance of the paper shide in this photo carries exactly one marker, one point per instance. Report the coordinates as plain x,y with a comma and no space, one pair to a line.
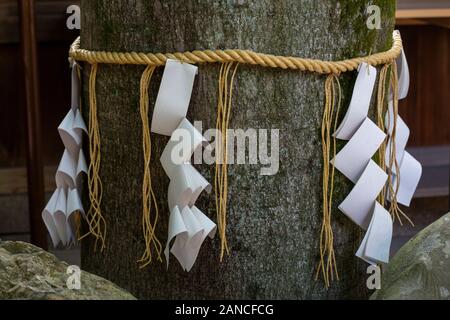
188,225
59,215
355,162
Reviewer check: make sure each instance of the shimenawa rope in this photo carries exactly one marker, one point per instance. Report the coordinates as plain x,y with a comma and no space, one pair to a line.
236,55
229,60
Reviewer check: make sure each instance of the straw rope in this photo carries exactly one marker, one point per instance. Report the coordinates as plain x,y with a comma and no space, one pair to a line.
237,55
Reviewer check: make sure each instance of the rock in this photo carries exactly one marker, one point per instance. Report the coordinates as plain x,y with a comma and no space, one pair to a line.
421,268
28,272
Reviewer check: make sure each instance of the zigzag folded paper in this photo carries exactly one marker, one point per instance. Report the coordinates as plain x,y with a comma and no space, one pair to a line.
410,173
58,214
376,244
188,226
358,205
173,97
360,102
356,154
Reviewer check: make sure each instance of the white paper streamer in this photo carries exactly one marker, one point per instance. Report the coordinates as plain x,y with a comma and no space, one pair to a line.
182,144
410,173
354,157
403,76
360,102
376,244
185,186
188,226
47,216
358,205
58,214
173,96
71,130
69,171
354,161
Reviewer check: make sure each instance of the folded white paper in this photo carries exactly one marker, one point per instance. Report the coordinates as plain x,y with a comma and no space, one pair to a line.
182,144
173,96
358,205
59,213
47,216
176,228
189,228
70,131
59,216
185,186
403,76
360,102
354,157
185,247
376,244
410,173
69,171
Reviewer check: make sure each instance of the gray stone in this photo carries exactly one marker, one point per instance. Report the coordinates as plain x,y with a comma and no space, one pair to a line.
421,268
28,272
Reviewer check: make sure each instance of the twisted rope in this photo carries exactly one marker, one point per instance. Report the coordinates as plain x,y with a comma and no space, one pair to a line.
237,55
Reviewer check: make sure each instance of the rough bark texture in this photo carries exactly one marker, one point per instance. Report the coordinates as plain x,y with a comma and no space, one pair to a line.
273,221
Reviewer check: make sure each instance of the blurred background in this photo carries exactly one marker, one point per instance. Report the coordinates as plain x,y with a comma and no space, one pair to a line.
31,106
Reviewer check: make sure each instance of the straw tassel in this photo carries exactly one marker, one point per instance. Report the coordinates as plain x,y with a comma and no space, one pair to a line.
327,264
148,197
95,220
221,172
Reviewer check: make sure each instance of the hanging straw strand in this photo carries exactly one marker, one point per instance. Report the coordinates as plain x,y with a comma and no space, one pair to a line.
327,264
381,110
95,220
148,196
221,173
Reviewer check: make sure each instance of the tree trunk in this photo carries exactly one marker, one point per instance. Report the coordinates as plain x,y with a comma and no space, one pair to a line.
273,221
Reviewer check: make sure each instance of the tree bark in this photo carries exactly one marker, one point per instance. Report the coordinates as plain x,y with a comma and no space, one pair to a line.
273,221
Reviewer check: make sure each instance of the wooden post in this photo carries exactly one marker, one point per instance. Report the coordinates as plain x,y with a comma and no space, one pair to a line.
34,147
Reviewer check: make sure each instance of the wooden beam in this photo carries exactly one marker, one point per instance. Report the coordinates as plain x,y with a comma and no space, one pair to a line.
424,16
411,22
34,144
422,13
